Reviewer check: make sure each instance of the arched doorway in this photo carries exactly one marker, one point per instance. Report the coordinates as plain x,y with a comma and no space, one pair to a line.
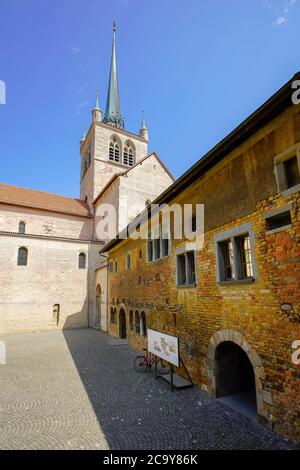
235,379
97,319
122,324
235,373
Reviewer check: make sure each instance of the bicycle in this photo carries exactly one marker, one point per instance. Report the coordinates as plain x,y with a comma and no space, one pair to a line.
145,362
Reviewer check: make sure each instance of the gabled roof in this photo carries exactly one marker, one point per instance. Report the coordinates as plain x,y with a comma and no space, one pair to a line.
275,105
123,173
33,199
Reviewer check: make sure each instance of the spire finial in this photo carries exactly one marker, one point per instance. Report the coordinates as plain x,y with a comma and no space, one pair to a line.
143,125
114,26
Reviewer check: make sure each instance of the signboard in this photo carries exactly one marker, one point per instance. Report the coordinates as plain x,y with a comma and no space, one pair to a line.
164,346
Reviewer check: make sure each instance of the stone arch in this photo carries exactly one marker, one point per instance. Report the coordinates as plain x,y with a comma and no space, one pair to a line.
229,335
122,323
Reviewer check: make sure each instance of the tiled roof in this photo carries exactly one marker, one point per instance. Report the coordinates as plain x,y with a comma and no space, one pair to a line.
40,200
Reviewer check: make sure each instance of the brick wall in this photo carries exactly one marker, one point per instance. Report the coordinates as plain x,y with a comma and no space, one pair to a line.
238,190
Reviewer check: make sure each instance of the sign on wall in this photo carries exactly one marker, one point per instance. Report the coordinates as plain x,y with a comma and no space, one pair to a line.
164,346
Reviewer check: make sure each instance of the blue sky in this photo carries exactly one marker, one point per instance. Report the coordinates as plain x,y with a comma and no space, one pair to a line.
197,68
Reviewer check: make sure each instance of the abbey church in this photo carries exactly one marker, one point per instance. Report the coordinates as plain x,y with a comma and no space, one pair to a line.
51,272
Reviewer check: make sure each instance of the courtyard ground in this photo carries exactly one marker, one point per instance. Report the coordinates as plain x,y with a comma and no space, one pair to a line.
77,389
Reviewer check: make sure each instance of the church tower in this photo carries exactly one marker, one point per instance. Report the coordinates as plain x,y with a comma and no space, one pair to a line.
108,148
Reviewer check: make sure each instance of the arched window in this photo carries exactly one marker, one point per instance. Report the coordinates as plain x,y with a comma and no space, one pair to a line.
114,150
128,154
22,228
81,261
22,256
143,324
137,322
131,326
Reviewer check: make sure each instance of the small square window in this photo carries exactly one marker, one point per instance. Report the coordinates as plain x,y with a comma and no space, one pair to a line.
291,172
278,220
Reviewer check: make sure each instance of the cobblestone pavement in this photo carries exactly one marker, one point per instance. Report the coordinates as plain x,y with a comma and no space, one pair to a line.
75,390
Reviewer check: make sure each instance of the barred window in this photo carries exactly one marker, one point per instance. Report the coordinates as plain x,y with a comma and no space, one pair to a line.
235,258
22,256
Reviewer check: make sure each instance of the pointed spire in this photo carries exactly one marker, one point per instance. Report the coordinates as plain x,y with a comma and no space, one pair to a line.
143,125
144,129
96,111
84,134
113,111
97,100
83,137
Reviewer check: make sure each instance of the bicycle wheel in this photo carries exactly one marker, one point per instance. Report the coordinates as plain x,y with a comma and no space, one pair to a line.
140,364
163,367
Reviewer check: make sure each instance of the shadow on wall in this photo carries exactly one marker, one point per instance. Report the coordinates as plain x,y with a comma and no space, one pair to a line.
76,320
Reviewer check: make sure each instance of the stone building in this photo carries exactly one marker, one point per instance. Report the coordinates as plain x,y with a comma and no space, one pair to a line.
234,303
51,273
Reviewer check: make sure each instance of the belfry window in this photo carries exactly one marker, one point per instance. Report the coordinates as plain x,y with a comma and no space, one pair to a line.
128,154
114,150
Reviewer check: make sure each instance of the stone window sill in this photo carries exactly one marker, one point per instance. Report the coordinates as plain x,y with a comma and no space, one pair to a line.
186,286
279,229
292,190
231,282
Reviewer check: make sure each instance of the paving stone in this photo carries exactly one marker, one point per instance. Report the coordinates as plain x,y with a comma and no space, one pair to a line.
74,390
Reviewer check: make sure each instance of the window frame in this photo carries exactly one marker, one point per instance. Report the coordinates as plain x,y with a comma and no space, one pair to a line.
275,212
22,230
233,234
157,245
18,256
82,255
185,254
129,150
114,141
279,170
